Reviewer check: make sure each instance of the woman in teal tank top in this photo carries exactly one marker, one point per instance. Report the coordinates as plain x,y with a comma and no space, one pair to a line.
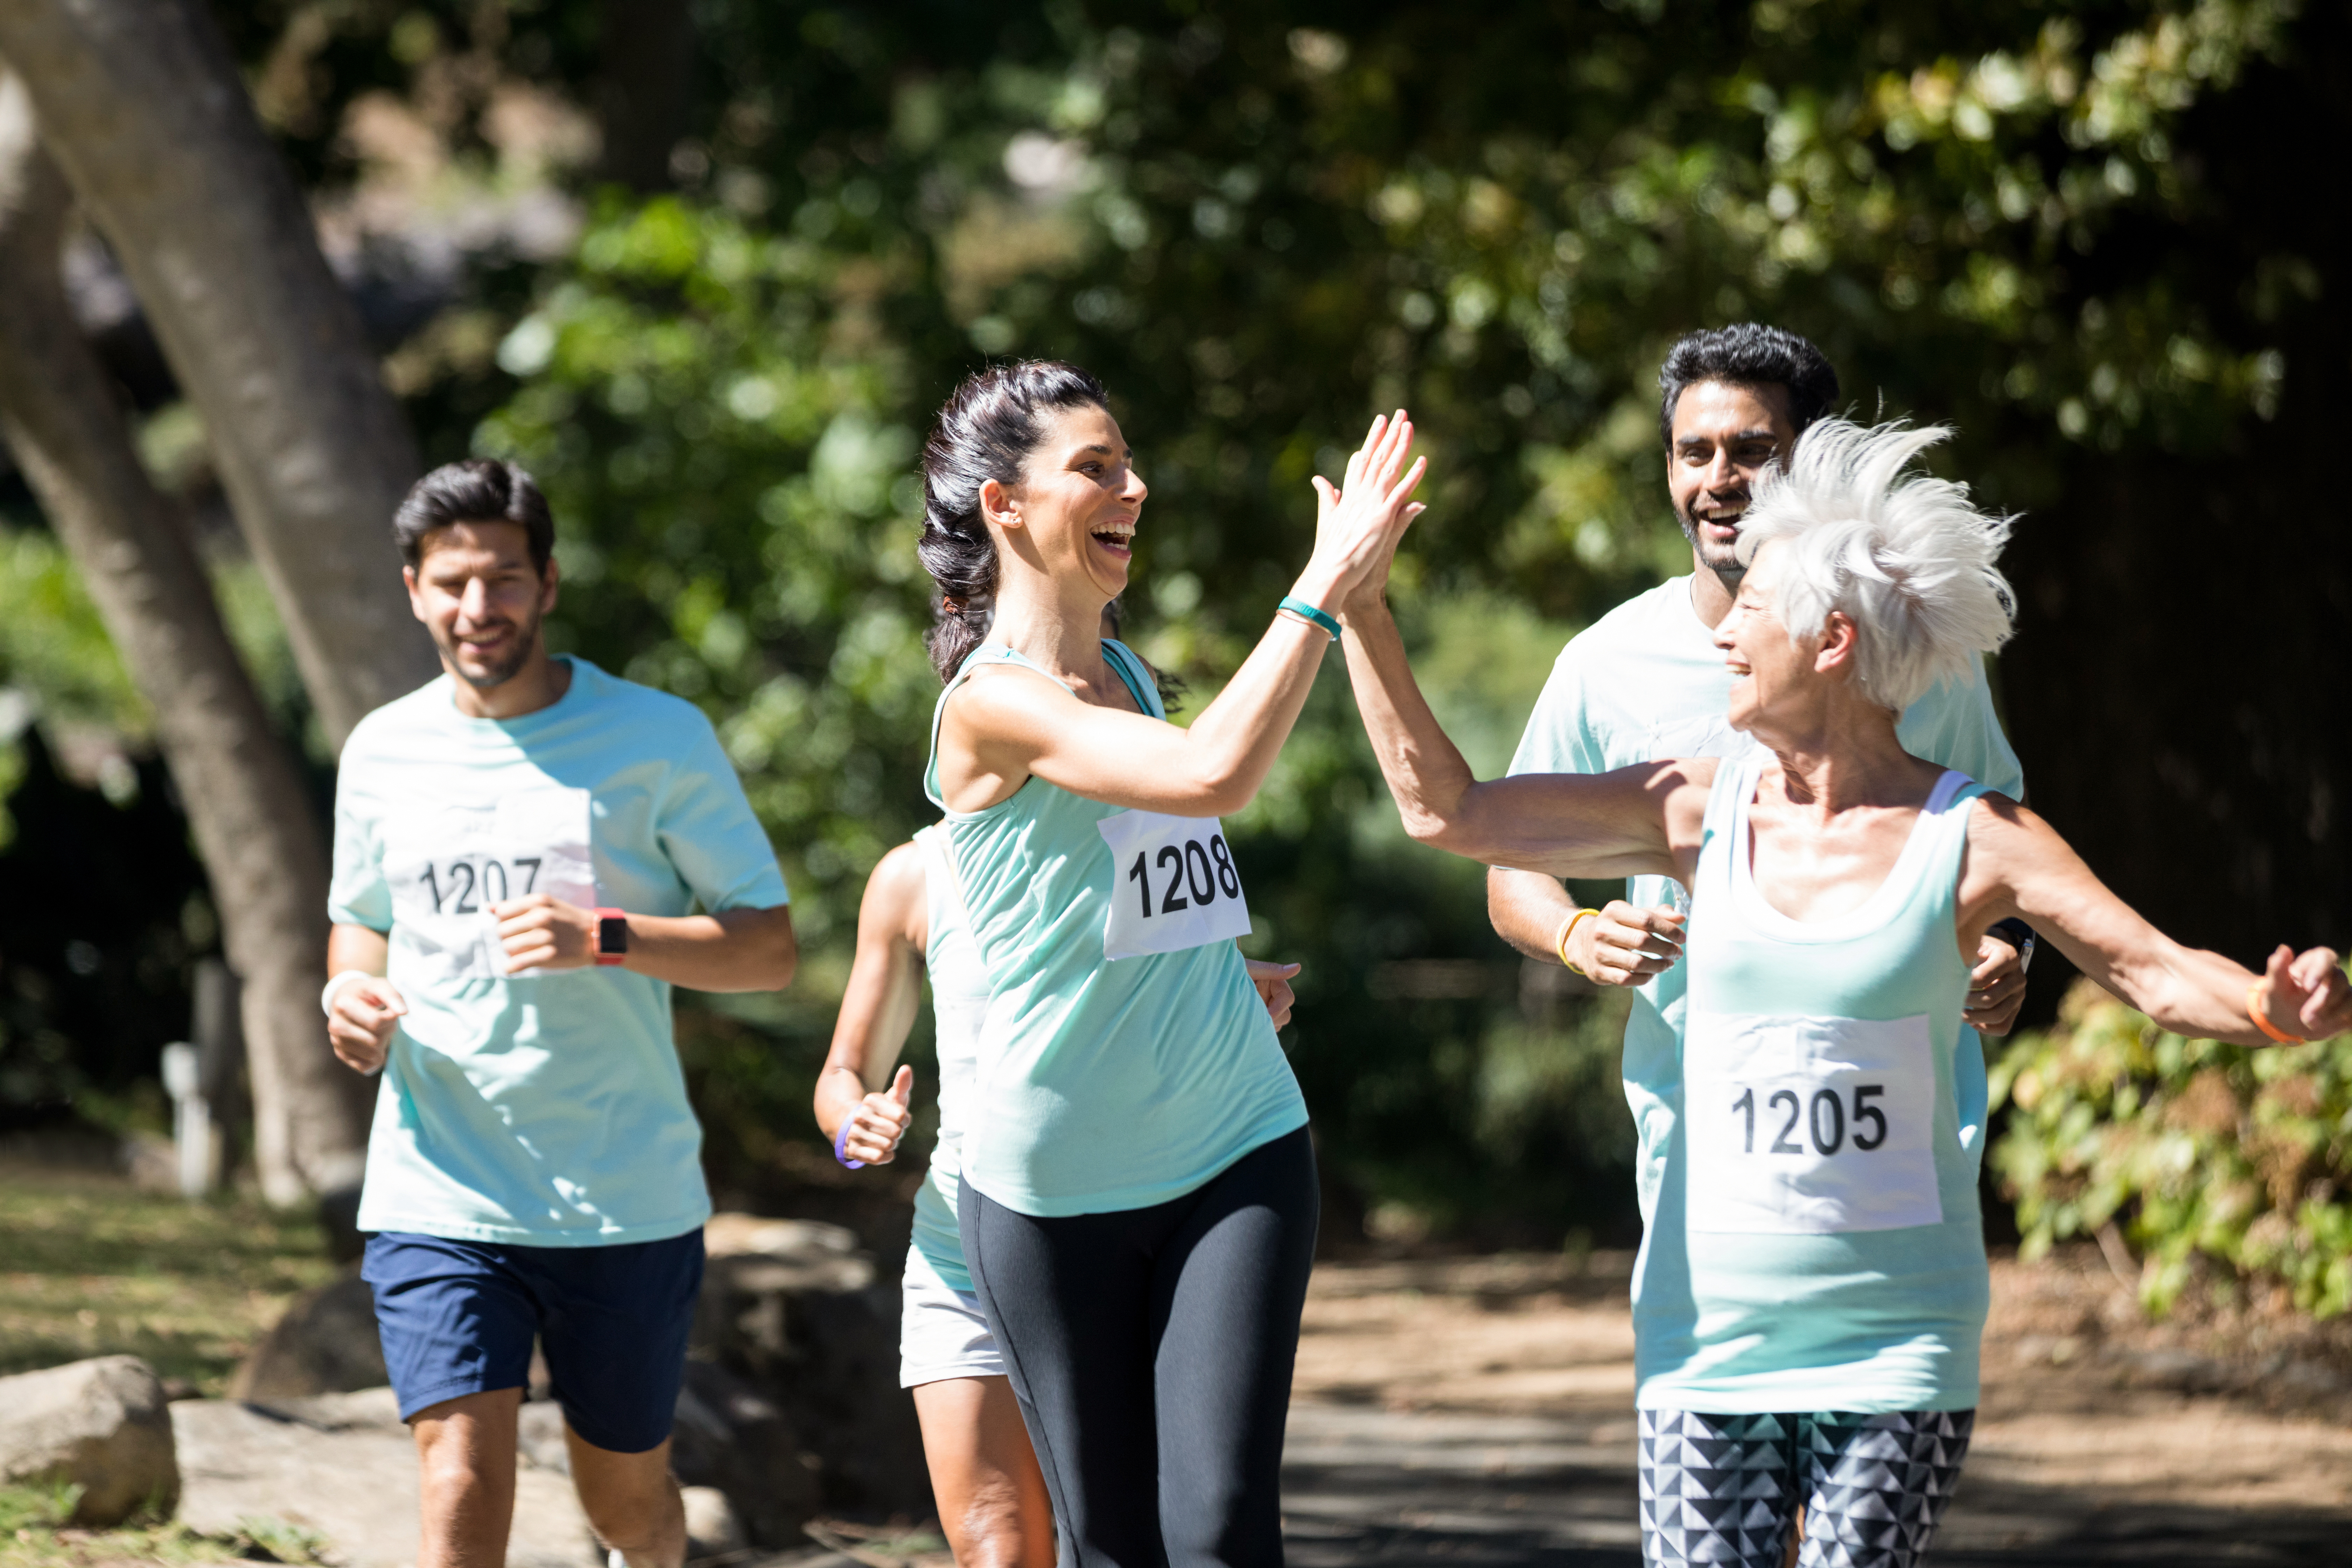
1812,1285
1138,1198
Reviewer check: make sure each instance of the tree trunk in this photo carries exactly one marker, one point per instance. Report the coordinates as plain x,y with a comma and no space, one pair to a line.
140,104
253,821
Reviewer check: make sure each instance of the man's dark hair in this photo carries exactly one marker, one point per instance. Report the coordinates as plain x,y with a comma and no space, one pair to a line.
1748,355
480,490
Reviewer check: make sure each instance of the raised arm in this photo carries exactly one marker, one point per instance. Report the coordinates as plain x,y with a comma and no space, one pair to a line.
1011,723
2019,866
1633,822
877,1010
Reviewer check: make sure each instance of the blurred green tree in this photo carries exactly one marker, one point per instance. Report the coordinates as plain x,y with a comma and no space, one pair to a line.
2074,228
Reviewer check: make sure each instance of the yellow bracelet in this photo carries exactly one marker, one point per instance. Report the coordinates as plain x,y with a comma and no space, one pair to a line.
1560,944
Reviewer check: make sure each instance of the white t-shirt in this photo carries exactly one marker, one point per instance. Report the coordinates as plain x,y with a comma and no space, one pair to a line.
1646,681
542,1109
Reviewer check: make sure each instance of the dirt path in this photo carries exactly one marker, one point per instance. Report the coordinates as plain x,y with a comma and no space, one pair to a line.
1479,1411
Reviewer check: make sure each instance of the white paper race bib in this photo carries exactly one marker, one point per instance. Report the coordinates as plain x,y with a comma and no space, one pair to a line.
448,864
1808,1126
1173,884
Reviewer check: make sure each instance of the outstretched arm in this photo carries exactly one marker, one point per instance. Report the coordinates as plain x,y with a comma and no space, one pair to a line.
1567,825
1000,731
2019,866
877,1010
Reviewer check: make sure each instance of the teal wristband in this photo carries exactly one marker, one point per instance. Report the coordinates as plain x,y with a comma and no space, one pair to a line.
1310,615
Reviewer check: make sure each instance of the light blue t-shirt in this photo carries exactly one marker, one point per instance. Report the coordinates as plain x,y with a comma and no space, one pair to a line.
1646,681
541,1110
1104,1083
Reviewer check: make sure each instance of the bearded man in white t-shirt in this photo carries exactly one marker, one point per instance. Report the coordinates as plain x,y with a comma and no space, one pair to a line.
1646,681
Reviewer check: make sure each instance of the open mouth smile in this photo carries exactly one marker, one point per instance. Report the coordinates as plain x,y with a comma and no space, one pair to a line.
1117,536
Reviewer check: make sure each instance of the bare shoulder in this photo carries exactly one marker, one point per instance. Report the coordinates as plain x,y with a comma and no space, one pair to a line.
1006,701
897,893
2001,826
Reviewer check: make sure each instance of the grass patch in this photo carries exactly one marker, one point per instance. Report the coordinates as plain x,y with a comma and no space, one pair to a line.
33,1534
90,1265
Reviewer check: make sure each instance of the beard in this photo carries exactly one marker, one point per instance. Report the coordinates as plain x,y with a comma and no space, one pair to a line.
486,677
1723,560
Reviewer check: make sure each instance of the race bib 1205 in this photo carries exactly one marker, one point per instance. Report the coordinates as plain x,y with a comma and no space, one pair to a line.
1173,884
448,864
1808,1126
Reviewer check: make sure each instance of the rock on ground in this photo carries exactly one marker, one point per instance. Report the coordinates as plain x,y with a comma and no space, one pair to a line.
343,1466
102,1426
792,1312
325,1344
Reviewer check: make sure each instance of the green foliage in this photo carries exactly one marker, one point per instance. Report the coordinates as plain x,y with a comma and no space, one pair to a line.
2197,1150
52,645
1258,227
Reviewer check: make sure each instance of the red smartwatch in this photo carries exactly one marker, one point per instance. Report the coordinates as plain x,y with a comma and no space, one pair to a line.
611,937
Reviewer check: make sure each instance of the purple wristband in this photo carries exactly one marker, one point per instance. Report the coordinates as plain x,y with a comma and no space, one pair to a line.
847,1162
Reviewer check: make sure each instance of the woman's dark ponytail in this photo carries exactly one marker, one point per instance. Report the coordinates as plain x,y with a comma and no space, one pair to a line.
986,431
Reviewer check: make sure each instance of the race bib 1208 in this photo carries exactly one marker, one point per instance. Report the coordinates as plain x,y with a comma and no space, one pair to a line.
448,864
1808,1126
1173,884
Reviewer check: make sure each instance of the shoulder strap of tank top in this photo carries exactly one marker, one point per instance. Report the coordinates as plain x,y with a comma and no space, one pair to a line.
986,652
1944,822
1735,782
1132,672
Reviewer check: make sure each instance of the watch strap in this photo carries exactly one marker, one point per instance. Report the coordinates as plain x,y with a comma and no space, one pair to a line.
611,937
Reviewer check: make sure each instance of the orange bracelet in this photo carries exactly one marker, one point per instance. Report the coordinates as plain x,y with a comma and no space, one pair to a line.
1560,944
2254,1011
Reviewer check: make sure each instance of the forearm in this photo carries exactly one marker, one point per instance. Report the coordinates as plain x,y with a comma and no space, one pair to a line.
734,949
2189,992
360,948
1526,909
1425,772
1237,738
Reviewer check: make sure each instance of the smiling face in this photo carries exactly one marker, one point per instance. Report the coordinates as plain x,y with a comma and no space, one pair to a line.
1079,500
1724,438
1767,668
479,593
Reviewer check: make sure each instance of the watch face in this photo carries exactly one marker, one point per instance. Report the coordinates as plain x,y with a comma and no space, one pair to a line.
612,935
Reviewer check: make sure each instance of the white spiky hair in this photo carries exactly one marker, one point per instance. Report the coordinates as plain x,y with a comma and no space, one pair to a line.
1906,556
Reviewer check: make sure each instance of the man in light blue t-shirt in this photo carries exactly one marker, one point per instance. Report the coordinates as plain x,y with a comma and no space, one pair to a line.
520,848
1646,681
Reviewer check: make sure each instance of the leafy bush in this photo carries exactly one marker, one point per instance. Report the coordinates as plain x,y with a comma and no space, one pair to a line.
2195,1149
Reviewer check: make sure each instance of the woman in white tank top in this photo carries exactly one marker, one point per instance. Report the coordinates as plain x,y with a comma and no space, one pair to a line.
1812,1285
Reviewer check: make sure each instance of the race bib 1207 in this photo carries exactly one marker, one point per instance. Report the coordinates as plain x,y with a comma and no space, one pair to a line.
1173,884
447,863
1808,1126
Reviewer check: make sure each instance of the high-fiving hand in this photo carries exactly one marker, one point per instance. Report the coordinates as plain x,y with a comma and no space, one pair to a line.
1359,524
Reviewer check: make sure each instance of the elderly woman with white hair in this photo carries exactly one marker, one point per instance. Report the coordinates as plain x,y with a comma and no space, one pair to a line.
1812,1286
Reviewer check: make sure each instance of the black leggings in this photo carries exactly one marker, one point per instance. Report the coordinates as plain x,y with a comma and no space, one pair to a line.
1152,1351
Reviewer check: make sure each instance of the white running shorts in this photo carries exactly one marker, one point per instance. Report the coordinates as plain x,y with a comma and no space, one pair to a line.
942,1333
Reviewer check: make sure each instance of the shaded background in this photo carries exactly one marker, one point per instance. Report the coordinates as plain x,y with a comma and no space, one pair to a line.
705,269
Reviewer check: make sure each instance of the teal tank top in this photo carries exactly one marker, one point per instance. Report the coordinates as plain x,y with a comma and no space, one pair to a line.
1102,1084
959,1002
1816,1243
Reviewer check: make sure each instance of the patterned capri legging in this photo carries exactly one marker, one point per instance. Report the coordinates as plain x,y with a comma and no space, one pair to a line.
1725,1488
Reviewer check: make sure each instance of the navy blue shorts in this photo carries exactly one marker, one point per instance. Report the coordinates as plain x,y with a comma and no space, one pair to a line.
459,1317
